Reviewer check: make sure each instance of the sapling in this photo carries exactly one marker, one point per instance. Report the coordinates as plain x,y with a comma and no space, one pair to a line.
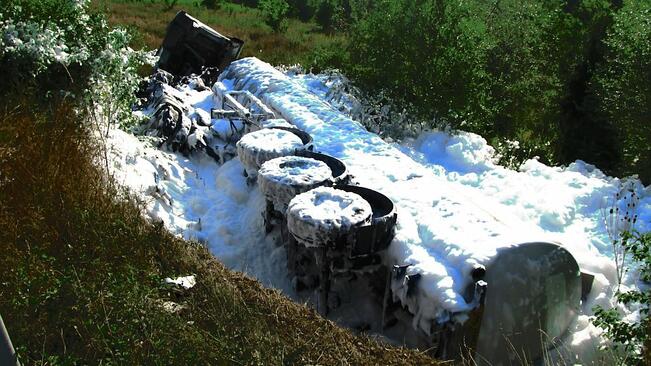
631,249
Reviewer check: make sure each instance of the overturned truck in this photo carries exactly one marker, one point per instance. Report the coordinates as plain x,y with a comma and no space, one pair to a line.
514,301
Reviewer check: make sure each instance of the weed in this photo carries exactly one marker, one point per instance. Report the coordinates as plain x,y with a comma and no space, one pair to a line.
631,249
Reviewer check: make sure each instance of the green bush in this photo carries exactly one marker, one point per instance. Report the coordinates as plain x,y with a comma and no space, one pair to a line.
583,132
301,9
325,14
623,85
249,3
61,49
490,68
275,13
45,43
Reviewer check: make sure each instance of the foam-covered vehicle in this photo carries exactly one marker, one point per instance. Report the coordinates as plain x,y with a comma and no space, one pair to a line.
190,47
520,302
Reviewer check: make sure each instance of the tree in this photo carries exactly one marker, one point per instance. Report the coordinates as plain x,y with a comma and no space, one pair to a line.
622,85
494,68
325,14
275,13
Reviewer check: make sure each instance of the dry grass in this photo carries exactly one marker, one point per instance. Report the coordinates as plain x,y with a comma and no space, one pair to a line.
81,271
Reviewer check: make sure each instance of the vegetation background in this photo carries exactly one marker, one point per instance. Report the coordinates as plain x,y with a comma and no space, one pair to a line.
567,80
561,80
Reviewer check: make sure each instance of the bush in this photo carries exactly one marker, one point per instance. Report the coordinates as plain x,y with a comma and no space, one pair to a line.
275,13
583,133
623,85
325,14
45,43
630,250
301,9
61,49
249,3
170,3
490,68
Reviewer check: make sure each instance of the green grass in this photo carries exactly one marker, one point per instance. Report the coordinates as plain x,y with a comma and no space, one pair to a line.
296,45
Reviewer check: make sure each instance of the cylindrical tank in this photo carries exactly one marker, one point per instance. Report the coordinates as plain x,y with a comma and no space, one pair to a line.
533,294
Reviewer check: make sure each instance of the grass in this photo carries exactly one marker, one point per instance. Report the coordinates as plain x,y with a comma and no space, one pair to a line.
82,270
297,44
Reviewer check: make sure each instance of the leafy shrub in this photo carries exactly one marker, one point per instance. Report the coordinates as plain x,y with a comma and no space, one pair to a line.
583,133
490,68
536,72
275,13
114,80
623,85
249,3
329,56
45,41
301,9
630,250
61,49
170,3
